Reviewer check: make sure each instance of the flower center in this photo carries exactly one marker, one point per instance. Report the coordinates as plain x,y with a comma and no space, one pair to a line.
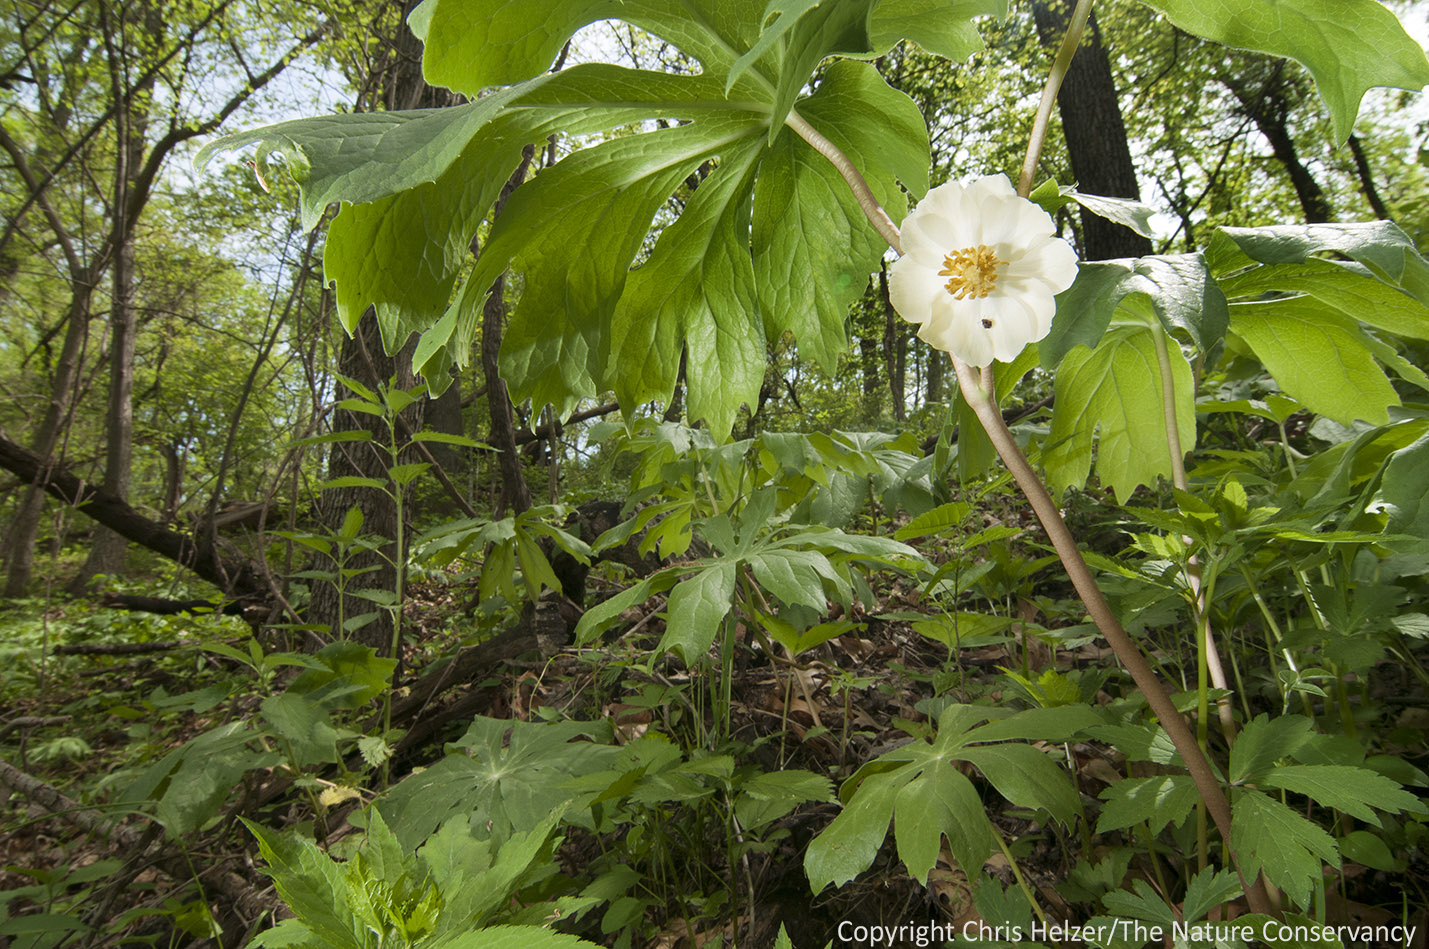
971,272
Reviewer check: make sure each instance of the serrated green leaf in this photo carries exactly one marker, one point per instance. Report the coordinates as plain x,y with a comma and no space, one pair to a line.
697,607
1027,778
945,517
1265,740
1380,245
574,231
696,291
352,482
1038,724
830,27
813,247
600,617
446,438
848,845
1167,799
1351,288
1208,889
794,576
516,774
1319,356
418,186
769,795
1349,46
313,886
1112,394
959,630
406,474
303,726
1358,792
939,802
474,45
1270,838
1141,903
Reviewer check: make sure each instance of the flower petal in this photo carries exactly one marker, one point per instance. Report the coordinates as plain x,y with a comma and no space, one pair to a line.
913,288
1033,267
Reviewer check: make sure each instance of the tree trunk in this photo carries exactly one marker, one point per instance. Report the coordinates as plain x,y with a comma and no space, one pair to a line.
895,347
1095,134
1268,103
397,84
106,556
936,363
131,120
362,359
515,494
26,523
1366,177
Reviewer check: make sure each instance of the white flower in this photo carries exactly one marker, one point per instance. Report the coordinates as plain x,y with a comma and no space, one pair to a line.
979,270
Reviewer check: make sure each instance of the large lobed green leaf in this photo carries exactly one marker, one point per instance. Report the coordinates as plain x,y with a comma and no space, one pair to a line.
928,799
1319,356
1112,394
1349,46
770,239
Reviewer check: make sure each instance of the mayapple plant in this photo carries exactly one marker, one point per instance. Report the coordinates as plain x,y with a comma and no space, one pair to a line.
1002,264
803,196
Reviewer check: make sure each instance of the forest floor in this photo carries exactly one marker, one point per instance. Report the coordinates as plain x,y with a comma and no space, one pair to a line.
88,724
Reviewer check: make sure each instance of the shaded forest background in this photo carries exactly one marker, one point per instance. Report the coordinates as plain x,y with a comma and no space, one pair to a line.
175,389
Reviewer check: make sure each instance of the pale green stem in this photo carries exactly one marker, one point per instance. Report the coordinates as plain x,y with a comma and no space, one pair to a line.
1273,627
1200,599
1017,872
979,397
871,208
1058,72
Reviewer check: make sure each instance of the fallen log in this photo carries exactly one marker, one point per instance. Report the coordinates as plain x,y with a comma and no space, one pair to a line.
33,721
163,606
232,573
117,649
238,896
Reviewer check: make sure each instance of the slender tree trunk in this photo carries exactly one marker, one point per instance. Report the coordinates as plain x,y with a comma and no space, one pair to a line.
175,460
1095,133
26,523
937,362
1366,177
1268,104
131,120
515,494
106,556
895,347
676,409
868,363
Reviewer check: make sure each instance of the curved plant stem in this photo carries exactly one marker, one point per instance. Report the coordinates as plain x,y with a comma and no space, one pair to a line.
1200,598
977,388
1065,52
871,208
977,391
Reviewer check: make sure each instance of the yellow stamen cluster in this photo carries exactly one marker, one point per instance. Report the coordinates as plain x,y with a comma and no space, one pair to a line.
972,272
